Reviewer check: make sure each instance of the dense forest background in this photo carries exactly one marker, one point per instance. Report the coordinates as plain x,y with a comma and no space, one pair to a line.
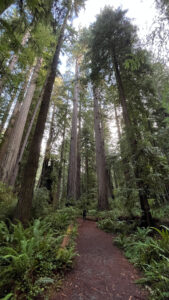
93,138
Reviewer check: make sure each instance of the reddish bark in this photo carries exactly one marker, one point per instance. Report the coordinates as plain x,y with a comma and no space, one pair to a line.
9,152
22,149
100,156
23,210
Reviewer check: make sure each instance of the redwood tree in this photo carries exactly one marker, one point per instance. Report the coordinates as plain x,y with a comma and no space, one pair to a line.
100,155
10,147
72,171
113,37
23,209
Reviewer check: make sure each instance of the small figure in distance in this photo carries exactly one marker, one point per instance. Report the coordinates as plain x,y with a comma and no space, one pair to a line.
84,214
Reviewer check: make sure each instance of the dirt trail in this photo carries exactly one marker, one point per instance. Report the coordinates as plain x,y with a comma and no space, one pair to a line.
101,272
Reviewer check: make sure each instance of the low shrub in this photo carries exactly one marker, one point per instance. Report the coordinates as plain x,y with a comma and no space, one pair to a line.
115,226
150,254
92,212
40,204
31,258
8,201
161,212
106,225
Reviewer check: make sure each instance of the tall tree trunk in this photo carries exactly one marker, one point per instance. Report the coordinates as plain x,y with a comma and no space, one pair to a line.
58,190
46,180
133,147
110,184
8,158
115,179
100,156
6,113
86,171
14,60
72,171
9,131
78,181
23,209
108,171
64,185
61,169
117,122
23,146
19,99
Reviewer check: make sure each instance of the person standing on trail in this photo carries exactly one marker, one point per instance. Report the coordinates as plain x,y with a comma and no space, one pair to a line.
84,214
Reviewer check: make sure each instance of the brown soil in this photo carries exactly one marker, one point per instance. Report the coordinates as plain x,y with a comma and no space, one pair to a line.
101,272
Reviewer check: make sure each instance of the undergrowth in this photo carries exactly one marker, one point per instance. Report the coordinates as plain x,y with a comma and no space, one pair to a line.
8,201
147,249
151,255
31,258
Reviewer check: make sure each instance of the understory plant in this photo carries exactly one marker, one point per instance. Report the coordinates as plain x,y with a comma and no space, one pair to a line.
31,258
112,225
8,201
150,253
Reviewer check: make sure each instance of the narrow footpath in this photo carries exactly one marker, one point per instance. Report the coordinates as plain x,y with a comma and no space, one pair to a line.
101,272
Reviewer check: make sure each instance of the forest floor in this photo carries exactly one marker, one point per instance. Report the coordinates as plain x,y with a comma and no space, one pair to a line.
101,272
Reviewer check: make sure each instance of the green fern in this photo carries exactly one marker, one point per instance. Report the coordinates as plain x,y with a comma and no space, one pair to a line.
7,297
164,233
30,257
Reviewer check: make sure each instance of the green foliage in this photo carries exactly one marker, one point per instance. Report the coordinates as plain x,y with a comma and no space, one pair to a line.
164,233
64,257
31,258
7,201
7,297
151,254
40,203
60,220
114,226
116,220
161,212
107,225
92,212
